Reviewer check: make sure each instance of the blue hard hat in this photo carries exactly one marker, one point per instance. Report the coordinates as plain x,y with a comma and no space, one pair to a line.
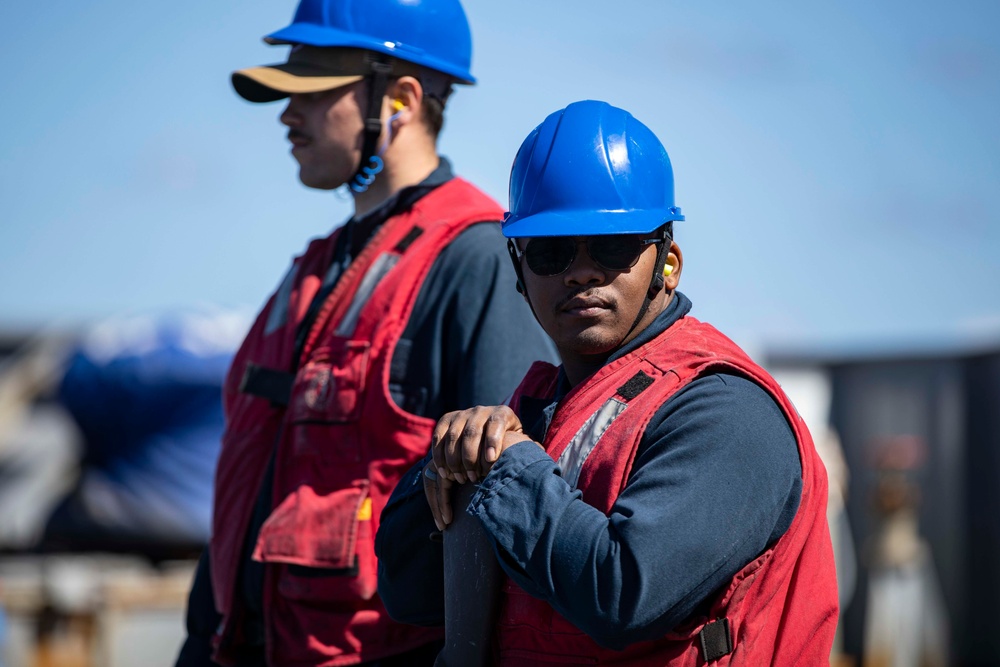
590,169
430,33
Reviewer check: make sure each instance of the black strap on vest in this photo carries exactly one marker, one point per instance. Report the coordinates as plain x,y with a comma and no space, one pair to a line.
635,386
715,640
408,240
275,386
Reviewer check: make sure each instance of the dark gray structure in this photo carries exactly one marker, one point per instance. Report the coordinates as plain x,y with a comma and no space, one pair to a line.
949,402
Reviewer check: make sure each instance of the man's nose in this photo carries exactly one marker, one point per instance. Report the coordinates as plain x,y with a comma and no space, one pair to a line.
290,116
584,270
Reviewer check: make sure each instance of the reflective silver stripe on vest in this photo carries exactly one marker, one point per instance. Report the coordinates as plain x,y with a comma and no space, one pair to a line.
379,268
279,312
575,455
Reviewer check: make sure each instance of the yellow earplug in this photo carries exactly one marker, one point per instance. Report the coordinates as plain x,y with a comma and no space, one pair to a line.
667,270
397,105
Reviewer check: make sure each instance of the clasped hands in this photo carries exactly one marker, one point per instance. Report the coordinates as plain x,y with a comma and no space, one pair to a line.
464,447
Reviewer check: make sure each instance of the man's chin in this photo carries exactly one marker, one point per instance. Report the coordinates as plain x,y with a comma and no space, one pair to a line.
319,181
593,343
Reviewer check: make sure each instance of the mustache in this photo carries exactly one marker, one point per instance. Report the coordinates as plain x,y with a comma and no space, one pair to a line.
585,294
294,135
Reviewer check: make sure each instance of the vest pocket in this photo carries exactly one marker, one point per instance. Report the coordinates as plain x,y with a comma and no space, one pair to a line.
325,543
330,385
327,395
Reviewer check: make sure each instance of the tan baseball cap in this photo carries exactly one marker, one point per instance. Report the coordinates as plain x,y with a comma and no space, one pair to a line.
310,69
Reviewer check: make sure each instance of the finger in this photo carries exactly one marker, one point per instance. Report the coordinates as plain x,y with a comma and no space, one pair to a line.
453,443
431,485
439,442
498,424
493,433
444,502
472,442
506,421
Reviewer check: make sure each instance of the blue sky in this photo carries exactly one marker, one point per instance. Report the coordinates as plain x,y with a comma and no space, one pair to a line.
838,163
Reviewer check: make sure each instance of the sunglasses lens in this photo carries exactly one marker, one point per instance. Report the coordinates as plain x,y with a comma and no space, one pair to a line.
550,256
615,253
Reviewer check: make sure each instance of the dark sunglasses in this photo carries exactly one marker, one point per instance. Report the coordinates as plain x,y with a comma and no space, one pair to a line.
552,255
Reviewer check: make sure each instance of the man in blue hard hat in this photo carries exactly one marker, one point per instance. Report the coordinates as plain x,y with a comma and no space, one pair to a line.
653,500
397,317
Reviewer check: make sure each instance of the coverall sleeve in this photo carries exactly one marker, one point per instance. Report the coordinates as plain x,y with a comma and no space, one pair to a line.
201,621
410,562
716,480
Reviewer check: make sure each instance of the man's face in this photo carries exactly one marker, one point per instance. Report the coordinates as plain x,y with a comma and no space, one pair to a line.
588,310
326,130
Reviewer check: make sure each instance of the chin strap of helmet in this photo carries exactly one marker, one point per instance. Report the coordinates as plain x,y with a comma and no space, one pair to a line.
371,164
512,251
657,281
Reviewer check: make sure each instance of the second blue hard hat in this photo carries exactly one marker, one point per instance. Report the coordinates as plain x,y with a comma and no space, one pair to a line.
590,169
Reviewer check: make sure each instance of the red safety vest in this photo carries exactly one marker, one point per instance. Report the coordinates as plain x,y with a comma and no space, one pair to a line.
781,609
340,442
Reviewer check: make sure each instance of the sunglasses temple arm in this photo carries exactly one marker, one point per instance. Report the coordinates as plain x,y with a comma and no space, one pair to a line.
516,261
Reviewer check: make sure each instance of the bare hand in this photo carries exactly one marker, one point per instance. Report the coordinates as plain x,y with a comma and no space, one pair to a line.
466,444
464,447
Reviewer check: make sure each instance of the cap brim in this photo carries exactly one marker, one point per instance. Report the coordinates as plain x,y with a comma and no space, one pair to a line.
276,82
588,223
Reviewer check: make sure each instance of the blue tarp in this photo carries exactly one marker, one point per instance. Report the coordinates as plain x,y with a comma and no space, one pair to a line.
146,395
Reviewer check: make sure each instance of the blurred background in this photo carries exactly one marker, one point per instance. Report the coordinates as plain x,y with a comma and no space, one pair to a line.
838,166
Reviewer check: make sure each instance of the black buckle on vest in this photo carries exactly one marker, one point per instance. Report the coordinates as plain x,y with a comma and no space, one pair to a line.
275,386
715,640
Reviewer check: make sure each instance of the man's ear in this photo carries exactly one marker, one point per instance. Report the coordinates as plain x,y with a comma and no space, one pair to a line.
405,98
673,267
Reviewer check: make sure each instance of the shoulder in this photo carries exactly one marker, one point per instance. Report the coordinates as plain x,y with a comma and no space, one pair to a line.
729,391
462,196
731,439
725,412
470,276
480,250
482,238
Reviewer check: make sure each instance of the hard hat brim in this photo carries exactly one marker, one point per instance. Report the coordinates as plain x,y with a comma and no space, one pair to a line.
588,223
271,83
329,37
